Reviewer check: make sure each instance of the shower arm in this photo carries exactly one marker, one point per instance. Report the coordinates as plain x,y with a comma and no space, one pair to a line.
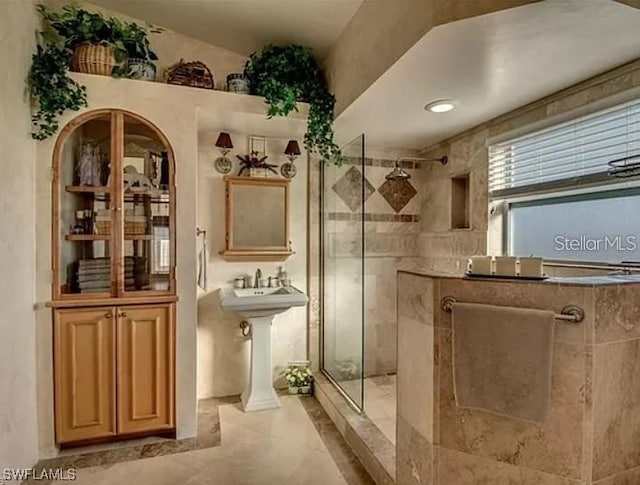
443,160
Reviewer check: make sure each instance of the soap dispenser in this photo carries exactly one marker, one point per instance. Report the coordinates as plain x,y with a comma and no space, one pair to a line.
283,277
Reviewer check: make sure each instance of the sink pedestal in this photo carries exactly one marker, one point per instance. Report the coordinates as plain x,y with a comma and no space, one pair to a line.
258,306
260,394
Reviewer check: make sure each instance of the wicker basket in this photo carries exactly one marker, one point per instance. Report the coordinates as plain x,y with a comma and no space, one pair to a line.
103,228
195,74
131,228
135,227
93,59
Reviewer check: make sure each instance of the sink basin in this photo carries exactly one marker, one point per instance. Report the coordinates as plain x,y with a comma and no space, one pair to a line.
261,302
258,306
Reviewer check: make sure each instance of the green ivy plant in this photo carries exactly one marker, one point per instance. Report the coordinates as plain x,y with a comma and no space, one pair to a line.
286,75
135,40
76,26
52,90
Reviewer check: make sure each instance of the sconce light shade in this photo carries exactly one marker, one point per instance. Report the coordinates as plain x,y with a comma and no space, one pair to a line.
224,141
293,149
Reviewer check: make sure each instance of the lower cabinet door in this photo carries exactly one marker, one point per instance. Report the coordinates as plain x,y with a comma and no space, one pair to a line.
145,343
84,373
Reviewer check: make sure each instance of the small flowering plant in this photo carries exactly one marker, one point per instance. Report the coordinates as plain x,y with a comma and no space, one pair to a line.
298,376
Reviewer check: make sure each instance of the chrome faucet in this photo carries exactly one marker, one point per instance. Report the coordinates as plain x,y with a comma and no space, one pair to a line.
256,282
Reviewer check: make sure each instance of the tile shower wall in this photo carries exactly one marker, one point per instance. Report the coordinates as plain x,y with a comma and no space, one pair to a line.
392,224
591,436
445,250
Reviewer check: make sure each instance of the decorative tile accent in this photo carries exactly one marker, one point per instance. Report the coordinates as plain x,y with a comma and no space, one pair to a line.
350,186
397,193
372,217
381,162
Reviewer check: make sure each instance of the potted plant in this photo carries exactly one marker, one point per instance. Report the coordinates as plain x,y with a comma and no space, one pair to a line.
256,165
299,380
52,90
91,37
103,45
85,42
140,57
286,75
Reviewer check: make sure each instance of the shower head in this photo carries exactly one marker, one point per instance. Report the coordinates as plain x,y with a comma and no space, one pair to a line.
399,173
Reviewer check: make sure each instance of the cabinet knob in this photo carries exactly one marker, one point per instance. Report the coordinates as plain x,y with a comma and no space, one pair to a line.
123,314
108,315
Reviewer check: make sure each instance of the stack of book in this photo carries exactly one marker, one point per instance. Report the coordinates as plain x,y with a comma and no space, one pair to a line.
94,275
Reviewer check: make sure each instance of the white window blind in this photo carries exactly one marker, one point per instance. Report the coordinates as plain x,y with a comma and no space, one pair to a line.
566,151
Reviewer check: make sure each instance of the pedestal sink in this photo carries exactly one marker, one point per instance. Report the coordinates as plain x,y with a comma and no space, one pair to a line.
258,306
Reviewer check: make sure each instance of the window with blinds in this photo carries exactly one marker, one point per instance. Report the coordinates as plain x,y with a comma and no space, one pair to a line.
572,152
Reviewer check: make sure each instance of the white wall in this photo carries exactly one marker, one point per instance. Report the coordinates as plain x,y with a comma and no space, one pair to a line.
223,353
18,416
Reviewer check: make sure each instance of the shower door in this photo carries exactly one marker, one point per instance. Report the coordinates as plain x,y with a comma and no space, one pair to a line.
343,194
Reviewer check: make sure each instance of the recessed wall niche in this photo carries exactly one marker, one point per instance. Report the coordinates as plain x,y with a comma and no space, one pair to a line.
460,196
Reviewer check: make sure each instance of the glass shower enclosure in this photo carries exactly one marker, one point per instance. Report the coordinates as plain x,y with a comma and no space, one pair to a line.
343,190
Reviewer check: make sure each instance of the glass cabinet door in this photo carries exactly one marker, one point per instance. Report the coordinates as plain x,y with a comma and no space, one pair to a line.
85,210
114,205
147,258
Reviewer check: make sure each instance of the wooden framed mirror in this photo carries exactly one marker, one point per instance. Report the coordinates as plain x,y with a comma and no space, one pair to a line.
257,219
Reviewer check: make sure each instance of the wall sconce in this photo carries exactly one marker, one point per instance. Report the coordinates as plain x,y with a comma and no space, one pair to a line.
288,169
224,143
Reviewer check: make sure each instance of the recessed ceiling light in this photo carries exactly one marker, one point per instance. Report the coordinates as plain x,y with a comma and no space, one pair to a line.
440,106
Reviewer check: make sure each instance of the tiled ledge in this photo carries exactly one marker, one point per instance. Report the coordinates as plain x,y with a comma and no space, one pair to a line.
371,446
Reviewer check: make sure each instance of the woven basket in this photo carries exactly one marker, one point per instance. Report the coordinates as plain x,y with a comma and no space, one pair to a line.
103,228
130,228
195,74
93,59
135,227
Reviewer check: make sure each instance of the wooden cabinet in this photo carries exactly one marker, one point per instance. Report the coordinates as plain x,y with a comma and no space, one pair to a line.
114,371
113,285
145,368
84,373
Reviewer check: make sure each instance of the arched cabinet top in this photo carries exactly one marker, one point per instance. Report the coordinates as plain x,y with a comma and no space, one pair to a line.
113,233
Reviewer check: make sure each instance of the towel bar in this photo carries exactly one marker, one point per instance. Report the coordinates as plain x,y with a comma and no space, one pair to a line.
571,314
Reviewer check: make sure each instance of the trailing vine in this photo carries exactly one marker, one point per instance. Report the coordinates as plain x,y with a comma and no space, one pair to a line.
52,89
286,75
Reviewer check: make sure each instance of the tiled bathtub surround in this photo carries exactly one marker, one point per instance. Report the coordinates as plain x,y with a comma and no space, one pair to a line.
591,436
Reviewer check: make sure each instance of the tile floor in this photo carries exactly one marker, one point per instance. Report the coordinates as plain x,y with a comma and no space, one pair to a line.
296,444
380,403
